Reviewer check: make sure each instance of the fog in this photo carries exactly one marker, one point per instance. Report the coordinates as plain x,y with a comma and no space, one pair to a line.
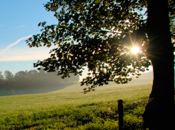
33,81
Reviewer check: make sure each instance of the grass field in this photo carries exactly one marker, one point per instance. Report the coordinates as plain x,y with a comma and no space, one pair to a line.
73,110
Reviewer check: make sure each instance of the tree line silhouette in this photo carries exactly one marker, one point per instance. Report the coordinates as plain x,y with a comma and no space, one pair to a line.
33,79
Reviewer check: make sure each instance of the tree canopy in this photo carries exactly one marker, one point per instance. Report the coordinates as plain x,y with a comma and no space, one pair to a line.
96,34
33,79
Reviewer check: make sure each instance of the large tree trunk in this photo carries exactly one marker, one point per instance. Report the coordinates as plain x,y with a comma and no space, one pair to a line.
160,107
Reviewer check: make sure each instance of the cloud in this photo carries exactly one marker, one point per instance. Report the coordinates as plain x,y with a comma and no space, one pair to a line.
24,53
13,44
20,26
25,57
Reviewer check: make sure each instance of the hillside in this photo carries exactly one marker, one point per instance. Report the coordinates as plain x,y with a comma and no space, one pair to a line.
73,110
146,77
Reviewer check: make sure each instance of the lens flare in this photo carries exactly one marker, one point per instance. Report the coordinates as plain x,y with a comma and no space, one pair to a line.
135,50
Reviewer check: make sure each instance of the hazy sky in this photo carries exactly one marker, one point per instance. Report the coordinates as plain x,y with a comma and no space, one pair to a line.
19,20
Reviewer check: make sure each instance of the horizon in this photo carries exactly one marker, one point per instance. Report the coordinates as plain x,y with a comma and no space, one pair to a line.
28,65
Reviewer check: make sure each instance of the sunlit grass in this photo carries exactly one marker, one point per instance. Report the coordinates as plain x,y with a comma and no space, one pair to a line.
64,109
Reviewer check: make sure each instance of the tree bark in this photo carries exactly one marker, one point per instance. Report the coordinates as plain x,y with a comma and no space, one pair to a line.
161,101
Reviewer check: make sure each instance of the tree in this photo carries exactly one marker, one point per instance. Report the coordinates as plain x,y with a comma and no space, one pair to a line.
8,75
161,54
1,80
99,34
1,75
21,75
100,43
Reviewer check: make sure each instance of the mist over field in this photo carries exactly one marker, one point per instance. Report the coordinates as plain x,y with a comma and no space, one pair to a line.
33,82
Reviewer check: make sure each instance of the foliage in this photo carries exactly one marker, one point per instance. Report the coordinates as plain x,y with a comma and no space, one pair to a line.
172,17
74,110
97,35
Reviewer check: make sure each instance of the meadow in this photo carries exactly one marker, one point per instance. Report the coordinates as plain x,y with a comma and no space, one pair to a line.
71,109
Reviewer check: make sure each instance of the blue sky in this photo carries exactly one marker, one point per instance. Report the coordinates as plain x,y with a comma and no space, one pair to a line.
18,20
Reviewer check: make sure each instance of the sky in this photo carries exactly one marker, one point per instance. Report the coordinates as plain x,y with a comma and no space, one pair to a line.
18,21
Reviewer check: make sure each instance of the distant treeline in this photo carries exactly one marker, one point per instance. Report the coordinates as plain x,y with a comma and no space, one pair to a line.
33,79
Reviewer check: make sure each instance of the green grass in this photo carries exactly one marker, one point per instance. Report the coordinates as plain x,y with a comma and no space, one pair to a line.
73,110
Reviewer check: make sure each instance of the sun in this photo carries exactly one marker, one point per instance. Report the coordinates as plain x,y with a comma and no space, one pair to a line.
135,50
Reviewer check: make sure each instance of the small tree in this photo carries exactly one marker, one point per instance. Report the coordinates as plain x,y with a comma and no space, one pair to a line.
1,75
99,35
8,75
1,80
